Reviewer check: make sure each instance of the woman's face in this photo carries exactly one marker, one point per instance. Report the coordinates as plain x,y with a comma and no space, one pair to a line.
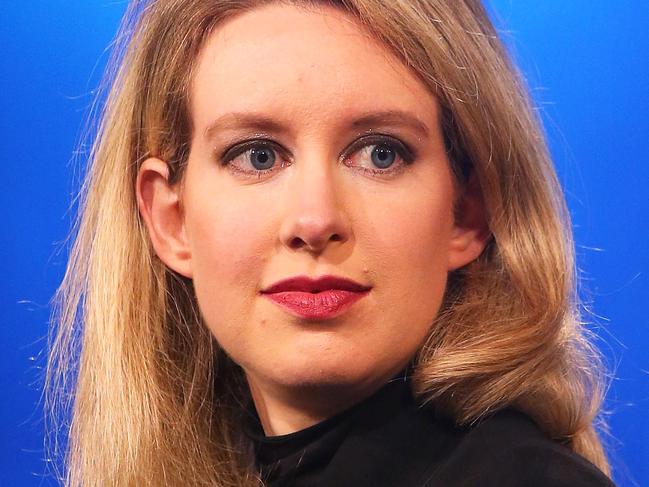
315,152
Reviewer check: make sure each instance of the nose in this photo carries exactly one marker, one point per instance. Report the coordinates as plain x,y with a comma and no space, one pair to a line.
314,217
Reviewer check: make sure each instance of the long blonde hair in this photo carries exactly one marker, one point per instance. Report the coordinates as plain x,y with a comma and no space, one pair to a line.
152,398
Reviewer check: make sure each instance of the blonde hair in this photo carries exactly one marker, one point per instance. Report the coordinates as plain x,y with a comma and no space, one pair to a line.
152,398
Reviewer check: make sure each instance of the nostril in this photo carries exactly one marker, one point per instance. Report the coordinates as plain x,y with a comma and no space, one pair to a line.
297,242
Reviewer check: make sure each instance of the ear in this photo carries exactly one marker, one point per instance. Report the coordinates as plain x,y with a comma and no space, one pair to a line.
471,230
159,205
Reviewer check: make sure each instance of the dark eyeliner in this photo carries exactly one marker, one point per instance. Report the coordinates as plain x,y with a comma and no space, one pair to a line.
239,148
405,152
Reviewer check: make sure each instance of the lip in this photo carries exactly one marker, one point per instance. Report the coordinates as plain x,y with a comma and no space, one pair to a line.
315,299
309,285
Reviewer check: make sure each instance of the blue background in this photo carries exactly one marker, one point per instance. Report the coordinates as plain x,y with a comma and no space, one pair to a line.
586,63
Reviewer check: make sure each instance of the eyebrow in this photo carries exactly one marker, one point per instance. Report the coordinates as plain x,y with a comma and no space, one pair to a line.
263,123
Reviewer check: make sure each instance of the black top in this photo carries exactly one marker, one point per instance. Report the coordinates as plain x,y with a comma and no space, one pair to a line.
387,440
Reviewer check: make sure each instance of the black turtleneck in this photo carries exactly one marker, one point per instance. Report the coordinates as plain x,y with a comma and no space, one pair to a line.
388,440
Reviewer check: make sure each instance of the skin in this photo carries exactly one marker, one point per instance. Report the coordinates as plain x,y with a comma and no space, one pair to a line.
319,211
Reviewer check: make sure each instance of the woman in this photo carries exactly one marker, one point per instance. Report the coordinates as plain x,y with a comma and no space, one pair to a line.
322,243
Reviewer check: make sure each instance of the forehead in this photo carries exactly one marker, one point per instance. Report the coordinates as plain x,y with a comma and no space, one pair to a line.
309,64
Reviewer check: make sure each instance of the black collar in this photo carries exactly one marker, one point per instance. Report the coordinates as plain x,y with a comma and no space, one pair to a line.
351,443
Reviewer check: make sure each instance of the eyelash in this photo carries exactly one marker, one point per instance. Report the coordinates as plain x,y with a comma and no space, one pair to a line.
403,153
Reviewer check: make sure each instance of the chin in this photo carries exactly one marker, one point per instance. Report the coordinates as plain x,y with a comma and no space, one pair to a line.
322,373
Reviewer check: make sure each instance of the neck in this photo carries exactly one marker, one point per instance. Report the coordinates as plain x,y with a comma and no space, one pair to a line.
283,411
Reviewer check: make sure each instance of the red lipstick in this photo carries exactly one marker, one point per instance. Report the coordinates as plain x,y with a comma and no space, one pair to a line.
322,298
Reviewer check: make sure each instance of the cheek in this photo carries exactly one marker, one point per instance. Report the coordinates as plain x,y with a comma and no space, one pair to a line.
407,247
229,247
410,233
225,241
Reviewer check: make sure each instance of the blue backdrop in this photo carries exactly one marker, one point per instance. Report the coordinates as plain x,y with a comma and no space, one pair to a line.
586,63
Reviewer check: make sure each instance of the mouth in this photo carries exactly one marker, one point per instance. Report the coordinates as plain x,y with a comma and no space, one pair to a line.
316,299
316,306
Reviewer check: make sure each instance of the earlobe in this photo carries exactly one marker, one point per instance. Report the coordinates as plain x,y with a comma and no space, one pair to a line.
471,229
159,206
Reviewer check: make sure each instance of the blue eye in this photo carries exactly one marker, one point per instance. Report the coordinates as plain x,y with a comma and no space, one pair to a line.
260,155
379,155
383,156
262,158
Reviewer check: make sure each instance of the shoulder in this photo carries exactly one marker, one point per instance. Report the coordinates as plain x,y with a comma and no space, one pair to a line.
508,449
414,447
